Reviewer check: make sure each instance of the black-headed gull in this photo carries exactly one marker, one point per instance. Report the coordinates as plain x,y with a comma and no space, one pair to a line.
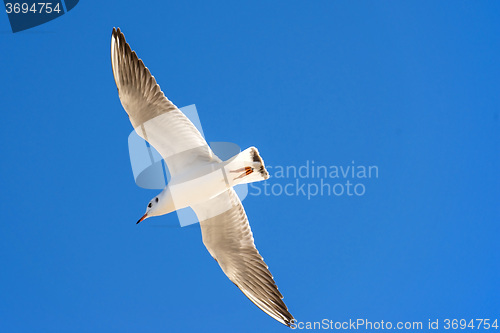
199,179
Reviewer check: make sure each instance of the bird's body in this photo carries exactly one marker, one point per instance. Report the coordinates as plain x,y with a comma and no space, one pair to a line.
200,180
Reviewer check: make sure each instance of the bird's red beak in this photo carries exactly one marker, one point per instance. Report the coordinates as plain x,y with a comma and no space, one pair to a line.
142,218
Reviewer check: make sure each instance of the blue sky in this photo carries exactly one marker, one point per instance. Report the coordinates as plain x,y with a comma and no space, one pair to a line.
410,87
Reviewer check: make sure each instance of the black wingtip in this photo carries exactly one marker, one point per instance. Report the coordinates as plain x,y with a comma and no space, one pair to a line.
116,32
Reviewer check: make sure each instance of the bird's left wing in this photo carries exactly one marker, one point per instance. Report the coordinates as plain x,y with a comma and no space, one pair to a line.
154,117
227,236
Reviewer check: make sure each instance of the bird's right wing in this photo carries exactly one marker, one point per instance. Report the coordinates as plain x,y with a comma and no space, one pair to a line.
154,117
227,236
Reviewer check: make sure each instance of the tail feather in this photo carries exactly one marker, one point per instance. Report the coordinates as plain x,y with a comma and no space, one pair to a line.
247,167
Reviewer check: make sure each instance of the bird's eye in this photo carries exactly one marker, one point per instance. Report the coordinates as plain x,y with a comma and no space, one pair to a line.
150,204
156,199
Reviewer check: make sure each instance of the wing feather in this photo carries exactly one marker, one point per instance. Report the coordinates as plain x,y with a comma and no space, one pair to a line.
155,118
228,238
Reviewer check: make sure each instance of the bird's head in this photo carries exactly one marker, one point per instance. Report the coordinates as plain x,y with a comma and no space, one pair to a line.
159,205
152,209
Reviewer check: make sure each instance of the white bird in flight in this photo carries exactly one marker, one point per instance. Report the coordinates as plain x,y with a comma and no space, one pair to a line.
199,179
